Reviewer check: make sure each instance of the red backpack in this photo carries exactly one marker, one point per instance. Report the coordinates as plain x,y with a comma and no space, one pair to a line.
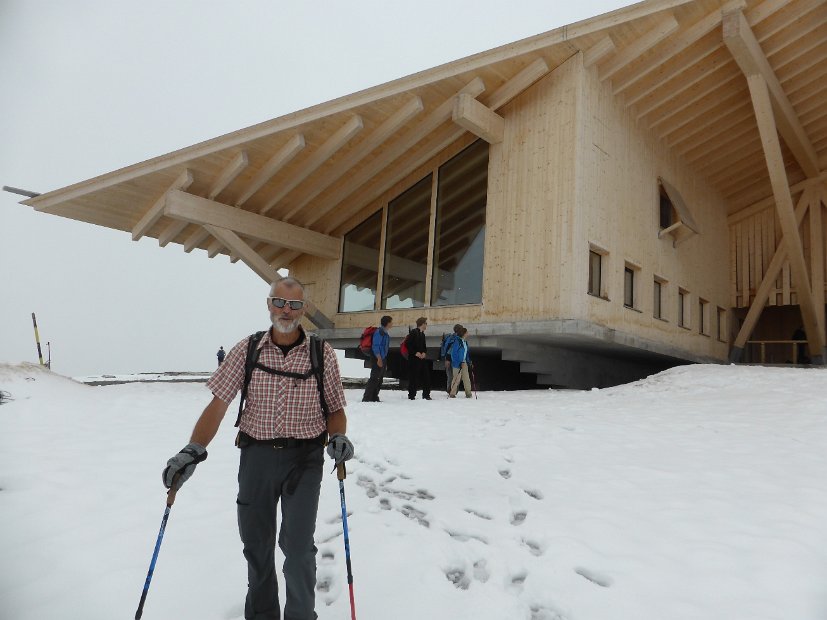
366,341
403,348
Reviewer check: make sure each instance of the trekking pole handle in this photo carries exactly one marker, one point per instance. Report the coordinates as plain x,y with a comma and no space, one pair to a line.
172,491
341,472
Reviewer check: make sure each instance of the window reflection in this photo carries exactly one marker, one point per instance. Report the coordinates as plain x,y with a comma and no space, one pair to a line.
360,266
460,228
406,247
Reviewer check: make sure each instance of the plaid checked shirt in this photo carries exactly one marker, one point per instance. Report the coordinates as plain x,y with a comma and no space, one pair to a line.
280,406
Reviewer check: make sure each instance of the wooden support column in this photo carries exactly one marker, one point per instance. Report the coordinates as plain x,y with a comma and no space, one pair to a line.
817,260
767,284
260,266
784,205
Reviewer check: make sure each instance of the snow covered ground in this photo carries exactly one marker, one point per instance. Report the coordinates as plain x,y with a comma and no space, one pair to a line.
699,493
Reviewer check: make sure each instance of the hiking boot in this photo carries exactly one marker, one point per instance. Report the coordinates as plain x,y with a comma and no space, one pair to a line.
452,395
426,398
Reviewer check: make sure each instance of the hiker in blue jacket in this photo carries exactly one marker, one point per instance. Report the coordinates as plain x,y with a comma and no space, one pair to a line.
445,353
378,360
460,361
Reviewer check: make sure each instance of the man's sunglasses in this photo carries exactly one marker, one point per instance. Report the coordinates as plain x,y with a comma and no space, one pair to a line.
278,302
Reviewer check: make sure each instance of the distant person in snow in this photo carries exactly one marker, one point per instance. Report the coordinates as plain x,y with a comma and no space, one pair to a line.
460,361
283,430
220,355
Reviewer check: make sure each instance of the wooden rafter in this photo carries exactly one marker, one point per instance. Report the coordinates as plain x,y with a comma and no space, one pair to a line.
743,45
675,46
598,51
287,152
517,84
759,92
230,172
156,211
665,26
197,210
433,120
196,238
172,230
335,142
377,137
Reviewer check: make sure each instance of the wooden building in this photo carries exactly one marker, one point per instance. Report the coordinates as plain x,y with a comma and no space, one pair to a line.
637,190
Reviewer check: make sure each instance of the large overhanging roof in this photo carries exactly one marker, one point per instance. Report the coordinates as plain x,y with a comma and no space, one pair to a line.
295,184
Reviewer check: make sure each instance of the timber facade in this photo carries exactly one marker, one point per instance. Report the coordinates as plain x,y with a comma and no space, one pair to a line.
596,203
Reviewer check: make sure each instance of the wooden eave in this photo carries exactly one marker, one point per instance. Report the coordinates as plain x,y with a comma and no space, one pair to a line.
323,168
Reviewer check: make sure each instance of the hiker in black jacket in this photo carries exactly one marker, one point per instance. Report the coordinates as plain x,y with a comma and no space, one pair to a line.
419,374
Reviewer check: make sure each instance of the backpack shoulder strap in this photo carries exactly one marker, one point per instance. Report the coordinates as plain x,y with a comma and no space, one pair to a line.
249,363
317,366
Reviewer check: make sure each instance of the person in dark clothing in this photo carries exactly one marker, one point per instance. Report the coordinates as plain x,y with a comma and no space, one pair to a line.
220,355
378,360
801,354
419,373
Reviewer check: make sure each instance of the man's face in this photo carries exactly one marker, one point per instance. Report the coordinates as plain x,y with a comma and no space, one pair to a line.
423,327
285,320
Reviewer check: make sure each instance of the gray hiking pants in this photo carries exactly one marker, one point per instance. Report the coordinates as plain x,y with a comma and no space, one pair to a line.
264,475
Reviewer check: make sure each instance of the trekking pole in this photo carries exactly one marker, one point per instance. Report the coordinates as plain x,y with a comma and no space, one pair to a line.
474,382
341,474
170,501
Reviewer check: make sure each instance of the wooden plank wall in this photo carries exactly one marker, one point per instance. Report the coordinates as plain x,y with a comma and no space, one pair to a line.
617,204
753,241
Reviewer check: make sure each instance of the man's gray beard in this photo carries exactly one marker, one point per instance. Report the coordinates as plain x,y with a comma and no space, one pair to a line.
282,328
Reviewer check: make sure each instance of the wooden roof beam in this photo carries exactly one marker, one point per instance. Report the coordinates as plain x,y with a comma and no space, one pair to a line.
743,45
762,102
481,121
197,210
517,84
598,51
437,117
154,213
287,152
335,142
379,135
666,26
195,239
677,45
228,175
255,262
169,233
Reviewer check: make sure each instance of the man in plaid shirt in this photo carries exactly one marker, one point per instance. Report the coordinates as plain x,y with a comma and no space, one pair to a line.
282,432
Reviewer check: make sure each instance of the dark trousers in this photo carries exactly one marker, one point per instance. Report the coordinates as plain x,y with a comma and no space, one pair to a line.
374,382
419,376
264,475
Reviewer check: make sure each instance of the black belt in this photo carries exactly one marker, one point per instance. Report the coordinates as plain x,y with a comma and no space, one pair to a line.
243,440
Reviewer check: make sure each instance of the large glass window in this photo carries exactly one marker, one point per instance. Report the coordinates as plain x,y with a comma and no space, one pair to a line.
406,247
360,266
459,238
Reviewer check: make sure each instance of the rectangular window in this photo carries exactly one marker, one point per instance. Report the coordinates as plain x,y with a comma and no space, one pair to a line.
360,266
657,298
703,317
666,209
722,324
459,239
683,308
628,287
406,247
595,276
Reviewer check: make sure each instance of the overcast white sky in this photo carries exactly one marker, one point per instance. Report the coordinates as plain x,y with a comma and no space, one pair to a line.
90,86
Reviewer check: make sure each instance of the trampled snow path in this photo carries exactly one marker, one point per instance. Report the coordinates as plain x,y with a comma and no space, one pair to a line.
698,493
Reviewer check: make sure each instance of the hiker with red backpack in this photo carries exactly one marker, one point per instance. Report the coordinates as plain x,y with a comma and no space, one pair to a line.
380,345
419,373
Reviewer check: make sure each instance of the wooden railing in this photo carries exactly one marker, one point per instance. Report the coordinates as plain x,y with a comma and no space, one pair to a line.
776,352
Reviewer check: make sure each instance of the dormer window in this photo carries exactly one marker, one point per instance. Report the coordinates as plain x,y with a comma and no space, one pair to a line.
676,220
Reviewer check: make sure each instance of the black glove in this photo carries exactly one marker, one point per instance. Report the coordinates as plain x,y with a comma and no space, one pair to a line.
180,467
339,448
